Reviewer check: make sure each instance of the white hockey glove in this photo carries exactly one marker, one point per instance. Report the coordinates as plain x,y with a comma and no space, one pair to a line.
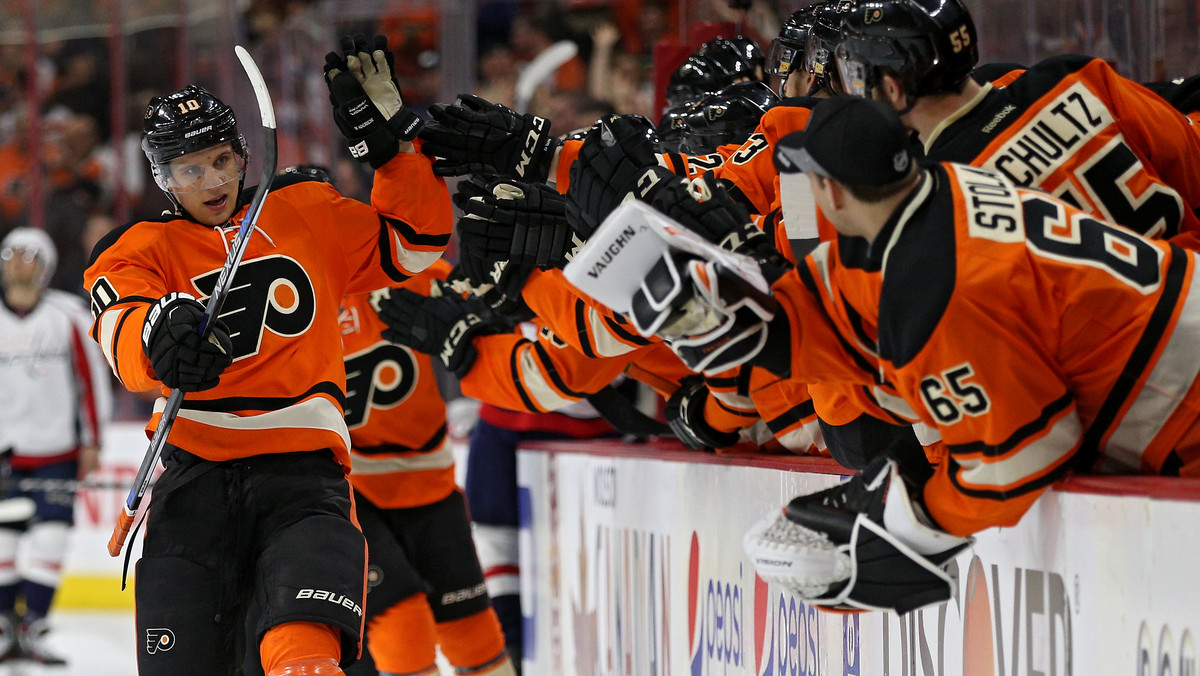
709,315
861,545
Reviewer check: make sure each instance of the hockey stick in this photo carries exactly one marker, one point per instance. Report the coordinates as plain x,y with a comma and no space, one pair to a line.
539,68
213,309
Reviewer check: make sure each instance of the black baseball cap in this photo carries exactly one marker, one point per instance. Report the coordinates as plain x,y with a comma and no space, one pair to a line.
852,140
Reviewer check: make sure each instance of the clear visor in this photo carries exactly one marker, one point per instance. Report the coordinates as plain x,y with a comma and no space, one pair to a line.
201,170
817,58
781,58
854,73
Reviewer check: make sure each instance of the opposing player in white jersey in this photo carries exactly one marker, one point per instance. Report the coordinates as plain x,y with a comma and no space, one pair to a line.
54,398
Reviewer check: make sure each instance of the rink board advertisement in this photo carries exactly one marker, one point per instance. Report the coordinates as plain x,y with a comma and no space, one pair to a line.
634,565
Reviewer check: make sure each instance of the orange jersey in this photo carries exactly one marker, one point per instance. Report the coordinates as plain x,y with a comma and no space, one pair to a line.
579,348
789,412
394,409
604,344
547,373
1072,127
1085,359
311,247
589,327
544,374
751,169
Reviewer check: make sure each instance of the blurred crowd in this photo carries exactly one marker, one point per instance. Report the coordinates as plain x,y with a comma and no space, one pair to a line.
597,57
93,170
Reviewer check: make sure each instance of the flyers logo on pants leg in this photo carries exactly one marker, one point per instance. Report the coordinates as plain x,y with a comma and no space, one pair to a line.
159,639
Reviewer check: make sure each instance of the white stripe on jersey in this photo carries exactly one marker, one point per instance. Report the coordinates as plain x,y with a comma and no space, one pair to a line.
1168,384
317,413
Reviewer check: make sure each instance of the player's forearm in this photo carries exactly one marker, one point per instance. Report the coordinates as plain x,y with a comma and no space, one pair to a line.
118,331
407,191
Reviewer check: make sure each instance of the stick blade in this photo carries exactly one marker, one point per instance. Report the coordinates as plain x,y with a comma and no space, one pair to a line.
260,86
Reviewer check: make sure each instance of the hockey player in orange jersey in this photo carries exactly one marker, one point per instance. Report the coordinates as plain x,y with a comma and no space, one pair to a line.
1083,362
425,589
1070,125
252,539
791,219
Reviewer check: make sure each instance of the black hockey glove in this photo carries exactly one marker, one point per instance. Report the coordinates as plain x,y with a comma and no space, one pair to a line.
181,359
685,414
617,158
477,136
705,207
865,544
713,318
442,326
367,106
497,284
522,223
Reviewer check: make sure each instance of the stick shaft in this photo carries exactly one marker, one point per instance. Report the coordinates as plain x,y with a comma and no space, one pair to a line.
212,309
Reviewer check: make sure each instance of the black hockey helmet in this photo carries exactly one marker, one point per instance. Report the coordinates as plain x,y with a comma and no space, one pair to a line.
737,58
823,38
673,126
728,116
929,45
694,78
184,122
743,56
715,64
787,48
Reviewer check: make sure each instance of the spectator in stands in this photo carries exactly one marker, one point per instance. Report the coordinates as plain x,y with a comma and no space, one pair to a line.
497,71
616,75
645,22
81,81
15,165
545,34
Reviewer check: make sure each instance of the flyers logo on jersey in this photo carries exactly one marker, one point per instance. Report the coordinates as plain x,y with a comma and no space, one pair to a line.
381,377
272,293
159,639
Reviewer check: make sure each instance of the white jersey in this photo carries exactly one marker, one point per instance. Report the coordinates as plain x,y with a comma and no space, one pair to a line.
54,384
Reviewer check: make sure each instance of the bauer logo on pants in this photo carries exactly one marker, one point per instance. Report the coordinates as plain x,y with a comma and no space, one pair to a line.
159,639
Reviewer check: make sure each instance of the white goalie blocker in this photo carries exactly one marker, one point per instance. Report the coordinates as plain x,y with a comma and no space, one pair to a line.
710,305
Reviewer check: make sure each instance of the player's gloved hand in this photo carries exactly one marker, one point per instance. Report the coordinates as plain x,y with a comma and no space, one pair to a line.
496,283
617,159
506,219
711,316
715,216
685,414
477,136
864,544
181,359
367,106
442,325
